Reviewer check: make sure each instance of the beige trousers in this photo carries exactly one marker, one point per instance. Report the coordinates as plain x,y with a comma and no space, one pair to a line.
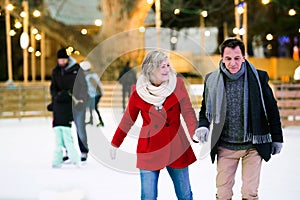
227,164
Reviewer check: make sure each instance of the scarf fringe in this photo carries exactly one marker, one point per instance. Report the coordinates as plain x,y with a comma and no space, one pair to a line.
248,137
262,139
208,116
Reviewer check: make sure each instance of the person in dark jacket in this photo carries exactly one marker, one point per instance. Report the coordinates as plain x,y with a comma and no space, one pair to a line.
241,112
63,90
127,78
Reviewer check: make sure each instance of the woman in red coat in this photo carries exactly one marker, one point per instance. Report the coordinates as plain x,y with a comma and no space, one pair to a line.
160,97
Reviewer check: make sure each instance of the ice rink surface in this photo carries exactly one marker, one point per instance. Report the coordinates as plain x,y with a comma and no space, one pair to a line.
26,148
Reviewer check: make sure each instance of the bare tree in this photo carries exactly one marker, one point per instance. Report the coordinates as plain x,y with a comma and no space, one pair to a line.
122,15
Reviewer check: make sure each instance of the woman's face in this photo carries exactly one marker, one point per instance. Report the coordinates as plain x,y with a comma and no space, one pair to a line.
161,74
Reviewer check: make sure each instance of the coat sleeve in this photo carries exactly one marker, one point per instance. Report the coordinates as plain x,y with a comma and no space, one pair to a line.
187,109
53,86
203,121
99,84
80,86
127,121
272,110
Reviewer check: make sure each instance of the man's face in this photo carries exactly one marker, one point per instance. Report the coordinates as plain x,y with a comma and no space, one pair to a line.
62,62
233,59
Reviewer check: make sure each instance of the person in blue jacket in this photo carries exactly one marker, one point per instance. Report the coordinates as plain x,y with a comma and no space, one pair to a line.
95,91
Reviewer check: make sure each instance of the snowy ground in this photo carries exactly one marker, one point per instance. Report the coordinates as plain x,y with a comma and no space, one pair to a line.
26,153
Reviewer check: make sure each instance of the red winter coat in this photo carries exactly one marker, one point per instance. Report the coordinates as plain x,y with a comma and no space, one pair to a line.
162,141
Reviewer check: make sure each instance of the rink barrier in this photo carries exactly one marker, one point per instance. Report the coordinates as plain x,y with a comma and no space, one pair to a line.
113,95
31,100
24,101
288,101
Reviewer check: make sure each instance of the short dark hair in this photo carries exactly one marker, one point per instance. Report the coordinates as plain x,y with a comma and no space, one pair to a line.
232,42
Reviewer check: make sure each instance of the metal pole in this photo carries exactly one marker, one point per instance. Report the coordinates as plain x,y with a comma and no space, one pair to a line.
157,22
43,55
33,63
8,43
202,27
225,30
25,51
236,14
245,25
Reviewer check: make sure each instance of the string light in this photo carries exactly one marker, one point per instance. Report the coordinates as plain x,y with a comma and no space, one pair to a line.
83,31
36,13
98,22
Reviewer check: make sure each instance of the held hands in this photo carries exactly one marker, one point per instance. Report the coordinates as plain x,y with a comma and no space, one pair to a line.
113,152
202,134
276,147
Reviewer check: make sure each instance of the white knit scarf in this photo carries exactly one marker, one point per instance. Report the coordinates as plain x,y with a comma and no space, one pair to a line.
153,94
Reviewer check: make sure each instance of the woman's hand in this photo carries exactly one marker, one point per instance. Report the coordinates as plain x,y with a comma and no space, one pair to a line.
202,134
113,152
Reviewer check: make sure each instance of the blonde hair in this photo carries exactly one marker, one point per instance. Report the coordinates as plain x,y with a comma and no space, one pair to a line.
152,61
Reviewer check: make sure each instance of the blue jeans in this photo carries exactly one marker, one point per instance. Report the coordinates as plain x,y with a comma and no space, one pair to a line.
180,178
93,105
79,119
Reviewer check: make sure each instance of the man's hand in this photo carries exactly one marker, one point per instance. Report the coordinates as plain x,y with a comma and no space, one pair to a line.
276,147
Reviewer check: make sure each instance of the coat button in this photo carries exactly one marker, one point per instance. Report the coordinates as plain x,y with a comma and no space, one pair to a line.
156,126
167,124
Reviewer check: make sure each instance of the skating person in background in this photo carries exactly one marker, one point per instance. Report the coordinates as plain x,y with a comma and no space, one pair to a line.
161,98
240,109
62,81
127,77
63,78
95,91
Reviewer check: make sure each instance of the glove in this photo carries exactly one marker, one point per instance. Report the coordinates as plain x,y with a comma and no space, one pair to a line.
113,152
202,134
50,107
276,147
